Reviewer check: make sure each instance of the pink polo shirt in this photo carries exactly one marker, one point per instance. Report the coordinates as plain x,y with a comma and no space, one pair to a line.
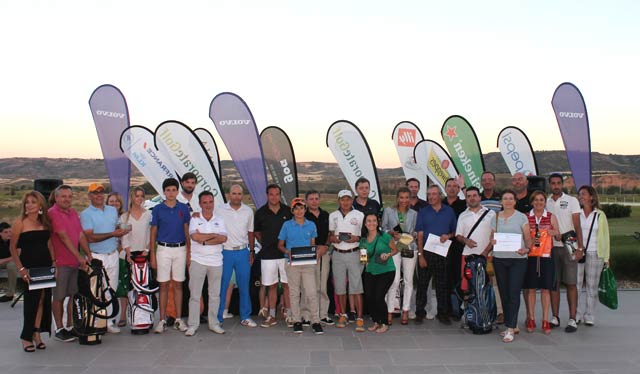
69,223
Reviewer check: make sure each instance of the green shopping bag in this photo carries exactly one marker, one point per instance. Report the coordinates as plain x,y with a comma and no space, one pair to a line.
608,289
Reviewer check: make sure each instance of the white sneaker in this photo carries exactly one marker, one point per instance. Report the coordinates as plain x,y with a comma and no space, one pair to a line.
161,327
248,323
217,329
180,325
226,314
113,329
191,331
430,316
412,314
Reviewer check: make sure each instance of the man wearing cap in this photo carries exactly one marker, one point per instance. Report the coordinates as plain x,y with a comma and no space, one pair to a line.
295,233
208,232
345,228
170,231
237,252
99,222
267,224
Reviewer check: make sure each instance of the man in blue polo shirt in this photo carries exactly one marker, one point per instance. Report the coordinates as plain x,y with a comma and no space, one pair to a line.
300,232
439,220
99,222
170,230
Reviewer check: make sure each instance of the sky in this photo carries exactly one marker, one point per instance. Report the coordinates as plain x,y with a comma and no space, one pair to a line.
302,65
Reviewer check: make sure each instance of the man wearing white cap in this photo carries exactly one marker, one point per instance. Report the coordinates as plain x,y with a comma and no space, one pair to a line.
345,228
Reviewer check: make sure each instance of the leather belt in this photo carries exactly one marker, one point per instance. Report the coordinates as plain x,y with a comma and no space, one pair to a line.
346,250
237,248
172,245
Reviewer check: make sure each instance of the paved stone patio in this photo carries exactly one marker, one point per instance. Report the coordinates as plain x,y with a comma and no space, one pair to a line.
612,346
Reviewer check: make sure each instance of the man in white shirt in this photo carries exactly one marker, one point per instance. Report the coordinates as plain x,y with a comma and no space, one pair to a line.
186,196
345,228
567,210
237,252
207,232
477,242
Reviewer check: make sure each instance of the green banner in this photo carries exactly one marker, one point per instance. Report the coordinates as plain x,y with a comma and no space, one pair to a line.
463,146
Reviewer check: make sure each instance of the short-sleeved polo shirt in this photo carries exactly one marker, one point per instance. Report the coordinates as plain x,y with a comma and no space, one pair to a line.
435,222
350,222
268,224
207,255
297,235
170,222
101,221
67,222
564,208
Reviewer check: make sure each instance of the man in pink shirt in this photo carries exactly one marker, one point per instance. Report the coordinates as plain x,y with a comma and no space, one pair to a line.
67,234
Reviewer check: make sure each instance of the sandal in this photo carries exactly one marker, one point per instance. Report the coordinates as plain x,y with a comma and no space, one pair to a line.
29,348
546,327
531,325
382,329
122,323
389,319
405,318
373,327
38,341
508,337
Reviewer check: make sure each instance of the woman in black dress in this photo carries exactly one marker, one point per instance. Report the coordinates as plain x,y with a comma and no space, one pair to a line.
31,248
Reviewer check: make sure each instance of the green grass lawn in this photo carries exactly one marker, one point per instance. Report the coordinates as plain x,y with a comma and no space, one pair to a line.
625,249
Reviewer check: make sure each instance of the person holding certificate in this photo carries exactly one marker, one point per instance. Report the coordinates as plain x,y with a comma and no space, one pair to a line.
436,226
380,271
31,248
511,240
296,234
540,268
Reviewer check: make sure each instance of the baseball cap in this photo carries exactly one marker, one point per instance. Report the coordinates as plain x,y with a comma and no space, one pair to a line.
297,201
344,193
96,187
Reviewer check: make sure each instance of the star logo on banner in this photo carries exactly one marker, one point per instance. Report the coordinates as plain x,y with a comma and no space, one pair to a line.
451,133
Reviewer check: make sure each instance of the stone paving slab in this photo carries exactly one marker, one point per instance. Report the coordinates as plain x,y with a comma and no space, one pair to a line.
612,346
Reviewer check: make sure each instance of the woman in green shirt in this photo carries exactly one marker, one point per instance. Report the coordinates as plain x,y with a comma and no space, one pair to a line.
380,270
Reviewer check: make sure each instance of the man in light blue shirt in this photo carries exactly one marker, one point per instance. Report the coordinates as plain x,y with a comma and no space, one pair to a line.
99,222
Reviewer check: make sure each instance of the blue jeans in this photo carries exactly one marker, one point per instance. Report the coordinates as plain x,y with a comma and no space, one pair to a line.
510,274
237,260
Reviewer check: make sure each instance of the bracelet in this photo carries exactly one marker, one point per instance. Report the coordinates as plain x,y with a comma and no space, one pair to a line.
21,269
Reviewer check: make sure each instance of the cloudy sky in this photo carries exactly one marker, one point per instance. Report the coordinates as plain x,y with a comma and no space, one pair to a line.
302,65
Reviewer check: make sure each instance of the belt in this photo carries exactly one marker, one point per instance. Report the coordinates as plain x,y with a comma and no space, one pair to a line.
346,250
237,248
172,245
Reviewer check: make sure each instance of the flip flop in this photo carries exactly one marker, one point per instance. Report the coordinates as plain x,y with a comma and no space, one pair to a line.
29,348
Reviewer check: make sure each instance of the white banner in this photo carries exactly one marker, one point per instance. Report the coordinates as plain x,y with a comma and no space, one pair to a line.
435,163
405,137
351,151
185,152
517,151
210,146
137,143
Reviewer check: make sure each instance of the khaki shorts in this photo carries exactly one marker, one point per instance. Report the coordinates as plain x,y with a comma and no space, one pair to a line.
172,262
566,268
66,282
347,266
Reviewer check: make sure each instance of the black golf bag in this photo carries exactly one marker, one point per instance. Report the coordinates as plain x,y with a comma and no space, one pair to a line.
142,297
90,304
480,308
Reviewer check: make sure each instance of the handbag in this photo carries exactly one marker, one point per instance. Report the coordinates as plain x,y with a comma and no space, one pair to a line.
608,289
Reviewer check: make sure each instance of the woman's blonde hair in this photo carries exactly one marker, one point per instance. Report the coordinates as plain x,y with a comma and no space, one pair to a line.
43,216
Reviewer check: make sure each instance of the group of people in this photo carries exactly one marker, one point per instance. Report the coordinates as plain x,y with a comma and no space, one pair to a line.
365,252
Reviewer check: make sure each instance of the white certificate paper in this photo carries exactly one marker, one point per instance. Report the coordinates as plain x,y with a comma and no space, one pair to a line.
507,242
433,245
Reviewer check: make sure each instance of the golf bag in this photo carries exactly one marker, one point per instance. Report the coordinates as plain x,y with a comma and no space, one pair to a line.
480,309
142,297
90,304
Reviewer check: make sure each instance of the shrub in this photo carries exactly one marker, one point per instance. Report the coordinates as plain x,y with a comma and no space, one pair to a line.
616,210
